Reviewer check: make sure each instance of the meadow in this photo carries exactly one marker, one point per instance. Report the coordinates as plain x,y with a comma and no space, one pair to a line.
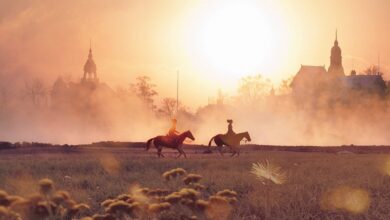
314,188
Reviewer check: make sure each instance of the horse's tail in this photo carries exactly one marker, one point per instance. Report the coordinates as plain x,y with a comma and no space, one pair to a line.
211,140
148,143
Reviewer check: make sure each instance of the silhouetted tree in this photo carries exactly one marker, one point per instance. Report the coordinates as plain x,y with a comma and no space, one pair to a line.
285,85
168,107
58,87
253,89
220,97
144,89
372,70
37,92
59,92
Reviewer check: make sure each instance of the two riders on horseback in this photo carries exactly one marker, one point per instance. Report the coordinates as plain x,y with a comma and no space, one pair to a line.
175,140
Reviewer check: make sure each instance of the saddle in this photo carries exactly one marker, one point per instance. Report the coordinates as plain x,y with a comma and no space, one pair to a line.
170,139
228,138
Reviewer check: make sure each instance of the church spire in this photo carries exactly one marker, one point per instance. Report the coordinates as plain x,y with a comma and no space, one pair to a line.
90,66
336,65
90,49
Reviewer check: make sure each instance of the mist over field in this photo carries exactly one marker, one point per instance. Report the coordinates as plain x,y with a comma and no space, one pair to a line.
42,112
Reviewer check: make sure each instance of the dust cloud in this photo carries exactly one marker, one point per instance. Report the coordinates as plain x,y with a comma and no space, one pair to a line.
40,101
73,112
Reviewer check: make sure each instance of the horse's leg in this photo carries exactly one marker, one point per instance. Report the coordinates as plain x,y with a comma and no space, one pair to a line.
162,155
220,148
219,143
159,151
178,149
182,151
234,151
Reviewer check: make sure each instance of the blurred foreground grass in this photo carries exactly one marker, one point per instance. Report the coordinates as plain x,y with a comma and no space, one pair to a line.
95,176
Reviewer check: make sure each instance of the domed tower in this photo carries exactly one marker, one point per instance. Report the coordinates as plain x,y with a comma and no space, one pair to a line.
336,65
90,68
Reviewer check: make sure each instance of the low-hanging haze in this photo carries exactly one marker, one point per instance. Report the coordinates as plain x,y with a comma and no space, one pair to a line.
45,39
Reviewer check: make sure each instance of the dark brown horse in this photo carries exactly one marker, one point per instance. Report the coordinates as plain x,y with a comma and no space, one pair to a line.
170,142
232,143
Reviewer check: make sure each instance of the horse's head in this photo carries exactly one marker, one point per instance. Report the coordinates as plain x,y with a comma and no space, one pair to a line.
247,136
189,135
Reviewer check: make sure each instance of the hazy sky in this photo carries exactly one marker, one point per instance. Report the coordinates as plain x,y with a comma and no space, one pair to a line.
213,43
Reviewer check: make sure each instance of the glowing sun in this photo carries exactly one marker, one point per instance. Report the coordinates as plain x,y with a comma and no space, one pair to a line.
238,38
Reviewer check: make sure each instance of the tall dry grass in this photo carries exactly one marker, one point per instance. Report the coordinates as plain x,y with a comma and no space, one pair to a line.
313,180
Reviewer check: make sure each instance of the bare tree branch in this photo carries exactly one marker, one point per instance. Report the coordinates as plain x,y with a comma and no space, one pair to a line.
37,92
144,89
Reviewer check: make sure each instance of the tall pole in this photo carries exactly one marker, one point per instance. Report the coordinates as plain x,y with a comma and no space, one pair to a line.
379,63
177,94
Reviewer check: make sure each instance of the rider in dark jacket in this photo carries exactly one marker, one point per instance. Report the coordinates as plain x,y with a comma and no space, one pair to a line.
230,128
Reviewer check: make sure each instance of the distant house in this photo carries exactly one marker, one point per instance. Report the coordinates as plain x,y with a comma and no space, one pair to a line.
308,80
370,84
81,95
311,81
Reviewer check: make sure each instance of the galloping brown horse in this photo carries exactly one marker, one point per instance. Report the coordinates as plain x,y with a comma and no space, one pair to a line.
170,142
232,142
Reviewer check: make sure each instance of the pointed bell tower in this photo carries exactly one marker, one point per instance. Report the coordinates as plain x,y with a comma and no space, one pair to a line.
90,68
336,65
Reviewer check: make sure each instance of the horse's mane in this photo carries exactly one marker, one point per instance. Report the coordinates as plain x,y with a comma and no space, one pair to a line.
185,132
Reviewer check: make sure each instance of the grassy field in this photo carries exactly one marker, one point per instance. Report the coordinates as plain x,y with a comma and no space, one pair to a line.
95,174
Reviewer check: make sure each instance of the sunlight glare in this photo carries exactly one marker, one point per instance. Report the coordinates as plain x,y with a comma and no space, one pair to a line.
240,38
353,200
386,167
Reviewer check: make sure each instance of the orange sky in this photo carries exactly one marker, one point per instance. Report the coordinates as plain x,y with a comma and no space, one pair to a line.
200,38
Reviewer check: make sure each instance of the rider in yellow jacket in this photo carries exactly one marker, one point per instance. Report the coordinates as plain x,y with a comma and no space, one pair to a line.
172,131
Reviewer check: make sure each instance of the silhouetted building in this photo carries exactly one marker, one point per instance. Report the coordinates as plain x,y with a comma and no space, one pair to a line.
59,93
81,95
336,64
313,81
308,80
368,84
90,69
